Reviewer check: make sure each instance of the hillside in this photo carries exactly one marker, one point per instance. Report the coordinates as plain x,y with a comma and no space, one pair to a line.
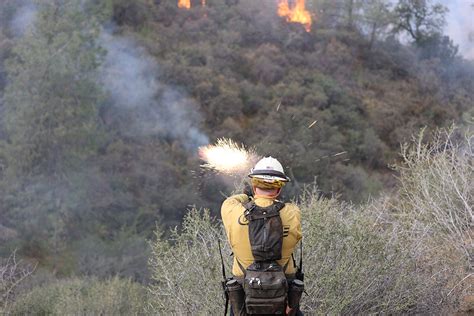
104,105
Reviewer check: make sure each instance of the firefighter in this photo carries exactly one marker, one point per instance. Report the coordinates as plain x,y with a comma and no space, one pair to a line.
267,179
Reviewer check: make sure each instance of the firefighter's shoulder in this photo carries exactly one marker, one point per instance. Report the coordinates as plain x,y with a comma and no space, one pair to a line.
291,207
233,202
237,199
291,210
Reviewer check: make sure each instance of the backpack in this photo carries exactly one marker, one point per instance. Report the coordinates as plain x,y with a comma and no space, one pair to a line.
265,284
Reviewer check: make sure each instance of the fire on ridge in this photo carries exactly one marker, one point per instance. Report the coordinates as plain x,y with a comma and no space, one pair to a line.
296,13
186,4
293,13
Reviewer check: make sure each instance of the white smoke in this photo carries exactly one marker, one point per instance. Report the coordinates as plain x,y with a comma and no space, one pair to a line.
24,19
130,76
460,25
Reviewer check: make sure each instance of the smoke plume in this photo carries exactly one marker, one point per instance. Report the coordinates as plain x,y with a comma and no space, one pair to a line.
460,25
24,19
130,76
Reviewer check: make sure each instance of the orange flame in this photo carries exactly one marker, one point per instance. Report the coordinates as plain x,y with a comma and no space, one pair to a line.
184,4
297,14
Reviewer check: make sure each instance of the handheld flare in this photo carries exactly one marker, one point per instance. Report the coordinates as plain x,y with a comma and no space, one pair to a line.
228,157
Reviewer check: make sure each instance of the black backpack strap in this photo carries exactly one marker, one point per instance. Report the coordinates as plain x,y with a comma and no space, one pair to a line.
263,212
249,205
278,205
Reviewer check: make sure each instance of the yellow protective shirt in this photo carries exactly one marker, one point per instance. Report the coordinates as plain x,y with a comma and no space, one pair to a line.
236,227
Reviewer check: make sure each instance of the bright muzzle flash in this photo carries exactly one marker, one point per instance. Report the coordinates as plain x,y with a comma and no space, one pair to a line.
227,156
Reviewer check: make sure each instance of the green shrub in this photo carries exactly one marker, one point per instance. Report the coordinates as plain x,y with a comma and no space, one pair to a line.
437,188
83,297
12,274
186,269
382,257
355,264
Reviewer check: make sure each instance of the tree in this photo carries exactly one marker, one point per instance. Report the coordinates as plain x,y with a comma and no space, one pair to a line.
51,105
338,13
439,46
377,17
51,101
419,19
351,8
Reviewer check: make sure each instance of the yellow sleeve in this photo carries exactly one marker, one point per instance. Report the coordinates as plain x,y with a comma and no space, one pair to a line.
299,234
232,201
295,220
229,208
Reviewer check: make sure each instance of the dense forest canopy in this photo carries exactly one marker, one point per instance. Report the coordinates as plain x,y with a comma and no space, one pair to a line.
105,103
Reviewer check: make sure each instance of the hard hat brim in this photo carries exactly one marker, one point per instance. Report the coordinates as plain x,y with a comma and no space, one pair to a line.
271,173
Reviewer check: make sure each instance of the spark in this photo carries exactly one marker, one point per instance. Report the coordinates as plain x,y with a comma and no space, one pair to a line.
312,124
227,156
333,155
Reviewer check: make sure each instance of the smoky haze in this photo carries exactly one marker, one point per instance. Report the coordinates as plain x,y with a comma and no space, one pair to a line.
149,83
129,76
460,25
23,19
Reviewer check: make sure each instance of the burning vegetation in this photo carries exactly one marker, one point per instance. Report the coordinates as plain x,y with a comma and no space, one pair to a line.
124,110
184,4
295,13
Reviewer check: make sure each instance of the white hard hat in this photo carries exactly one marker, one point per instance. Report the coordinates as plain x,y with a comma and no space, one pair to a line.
268,168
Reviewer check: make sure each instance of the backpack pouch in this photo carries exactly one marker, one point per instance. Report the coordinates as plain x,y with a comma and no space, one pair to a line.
265,292
272,306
